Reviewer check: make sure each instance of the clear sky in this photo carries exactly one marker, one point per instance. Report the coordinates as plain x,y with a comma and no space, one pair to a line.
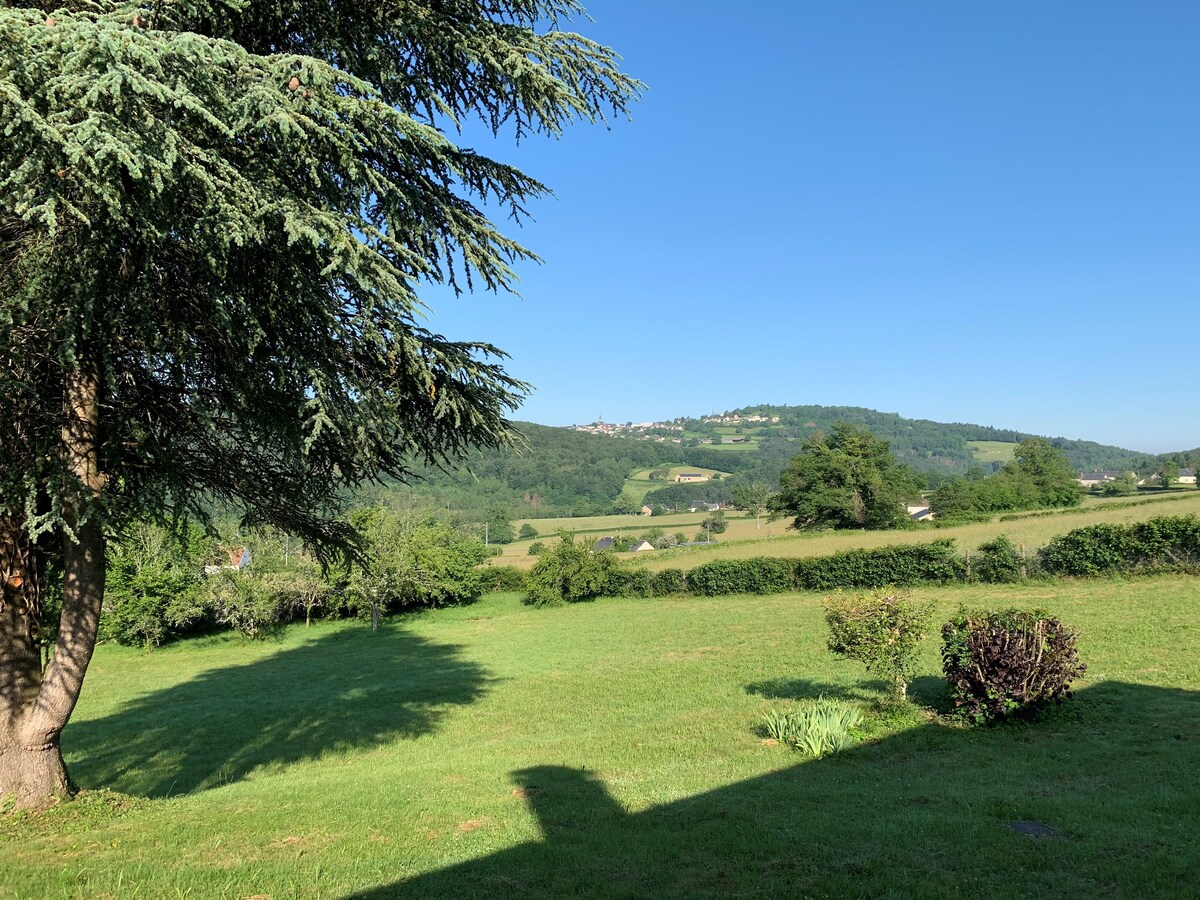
968,212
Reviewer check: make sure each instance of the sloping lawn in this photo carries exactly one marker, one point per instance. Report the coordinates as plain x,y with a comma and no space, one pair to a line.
611,749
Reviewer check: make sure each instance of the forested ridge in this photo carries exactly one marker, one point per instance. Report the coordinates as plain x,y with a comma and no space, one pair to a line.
558,471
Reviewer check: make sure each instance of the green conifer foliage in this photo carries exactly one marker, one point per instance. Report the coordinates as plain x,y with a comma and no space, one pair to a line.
215,222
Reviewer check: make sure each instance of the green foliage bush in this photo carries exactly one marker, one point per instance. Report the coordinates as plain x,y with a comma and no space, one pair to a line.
760,575
881,630
998,562
568,573
502,578
246,604
527,531
667,582
155,587
910,564
1009,662
537,548
628,583
816,728
1165,541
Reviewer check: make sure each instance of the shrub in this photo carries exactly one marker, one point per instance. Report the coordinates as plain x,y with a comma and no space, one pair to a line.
668,581
1008,662
998,562
568,573
816,728
1165,541
880,630
155,589
527,531
628,583
247,604
909,564
761,575
537,548
502,578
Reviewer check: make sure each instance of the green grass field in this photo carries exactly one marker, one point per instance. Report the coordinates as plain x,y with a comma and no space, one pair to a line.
610,749
992,451
743,539
639,483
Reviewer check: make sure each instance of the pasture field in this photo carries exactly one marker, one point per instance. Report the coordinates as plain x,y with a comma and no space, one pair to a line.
742,539
992,451
611,749
639,483
1033,532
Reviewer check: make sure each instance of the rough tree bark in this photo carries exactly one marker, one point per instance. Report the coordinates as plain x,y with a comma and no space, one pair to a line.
35,705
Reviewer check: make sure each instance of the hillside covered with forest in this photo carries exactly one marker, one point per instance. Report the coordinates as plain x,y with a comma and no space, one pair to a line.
563,472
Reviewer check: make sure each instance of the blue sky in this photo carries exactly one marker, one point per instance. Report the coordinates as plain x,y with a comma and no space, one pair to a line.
960,212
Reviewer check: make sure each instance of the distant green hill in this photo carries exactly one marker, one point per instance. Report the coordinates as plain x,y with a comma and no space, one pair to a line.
561,472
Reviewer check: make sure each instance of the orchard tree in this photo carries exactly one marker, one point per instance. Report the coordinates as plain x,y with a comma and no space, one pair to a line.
755,498
215,222
846,480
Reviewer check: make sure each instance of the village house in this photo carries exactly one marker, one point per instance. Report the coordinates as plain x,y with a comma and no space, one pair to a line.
238,558
690,477
1091,479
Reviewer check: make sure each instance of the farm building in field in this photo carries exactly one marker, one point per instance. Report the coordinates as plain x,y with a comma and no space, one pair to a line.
1187,476
605,543
690,477
647,511
707,507
639,546
919,512
1091,479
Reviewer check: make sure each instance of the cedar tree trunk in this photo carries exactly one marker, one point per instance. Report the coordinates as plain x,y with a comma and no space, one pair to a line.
35,705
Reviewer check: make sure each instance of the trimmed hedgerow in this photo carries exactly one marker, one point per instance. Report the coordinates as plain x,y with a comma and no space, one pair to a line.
1008,662
998,562
1162,542
908,564
761,575
628,583
502,578
668,581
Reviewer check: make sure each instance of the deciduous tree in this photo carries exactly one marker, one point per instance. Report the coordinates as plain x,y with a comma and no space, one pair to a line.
846,480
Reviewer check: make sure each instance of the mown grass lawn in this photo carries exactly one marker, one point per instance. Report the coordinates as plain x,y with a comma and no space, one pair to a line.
610,749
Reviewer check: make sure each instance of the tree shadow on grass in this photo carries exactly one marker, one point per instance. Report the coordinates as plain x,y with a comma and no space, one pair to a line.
349,689
807,689
1108,784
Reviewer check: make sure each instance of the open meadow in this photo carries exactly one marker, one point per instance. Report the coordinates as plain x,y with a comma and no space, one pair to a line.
611,749
745,538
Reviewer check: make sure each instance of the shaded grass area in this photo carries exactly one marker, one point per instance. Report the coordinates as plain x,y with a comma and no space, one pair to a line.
611,749
343,691
927,812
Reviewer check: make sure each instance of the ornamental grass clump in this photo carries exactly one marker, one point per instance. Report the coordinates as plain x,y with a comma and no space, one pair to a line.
1008,663
815,728
881,630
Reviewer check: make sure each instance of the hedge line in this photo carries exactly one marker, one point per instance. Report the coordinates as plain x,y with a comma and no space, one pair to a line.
1166,542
